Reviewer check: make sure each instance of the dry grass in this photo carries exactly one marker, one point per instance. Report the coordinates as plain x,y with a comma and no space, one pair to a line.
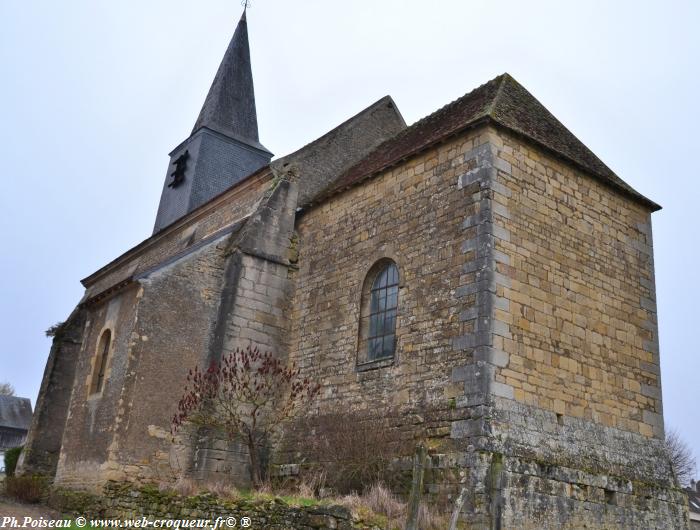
430,520
223,490
188,487
378,500
265,490
183,486
377,504
28,489
312,484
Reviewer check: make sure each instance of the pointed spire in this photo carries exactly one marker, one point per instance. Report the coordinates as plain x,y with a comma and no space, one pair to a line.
230,105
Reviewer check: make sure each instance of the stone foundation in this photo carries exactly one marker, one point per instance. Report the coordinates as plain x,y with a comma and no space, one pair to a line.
121,500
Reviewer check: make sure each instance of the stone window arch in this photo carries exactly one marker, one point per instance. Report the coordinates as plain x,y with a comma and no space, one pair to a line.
378,312
101,357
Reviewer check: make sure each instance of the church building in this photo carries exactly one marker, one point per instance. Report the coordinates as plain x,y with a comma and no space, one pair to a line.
480,270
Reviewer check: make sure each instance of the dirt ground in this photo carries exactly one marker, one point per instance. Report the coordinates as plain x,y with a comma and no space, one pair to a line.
10,508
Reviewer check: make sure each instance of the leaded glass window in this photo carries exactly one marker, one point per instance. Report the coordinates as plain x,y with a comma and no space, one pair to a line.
383,303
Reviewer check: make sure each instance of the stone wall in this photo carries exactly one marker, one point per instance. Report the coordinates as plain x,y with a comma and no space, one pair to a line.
120,501
226,291
411,215
212,281
124,430
526,302
571,428
579,312
253,305
256,312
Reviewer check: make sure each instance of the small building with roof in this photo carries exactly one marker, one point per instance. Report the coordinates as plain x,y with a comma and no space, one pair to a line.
694,504
15,419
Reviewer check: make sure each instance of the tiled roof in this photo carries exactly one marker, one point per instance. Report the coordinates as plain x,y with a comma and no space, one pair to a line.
693,500
15,412
322,161
502,102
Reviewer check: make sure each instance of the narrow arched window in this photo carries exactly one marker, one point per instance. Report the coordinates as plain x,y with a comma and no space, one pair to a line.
380,300
100,367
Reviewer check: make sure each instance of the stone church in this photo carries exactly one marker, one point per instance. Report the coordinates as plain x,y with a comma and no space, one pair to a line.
481,263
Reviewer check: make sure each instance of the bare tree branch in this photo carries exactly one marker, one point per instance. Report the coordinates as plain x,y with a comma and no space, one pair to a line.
681,457
246,396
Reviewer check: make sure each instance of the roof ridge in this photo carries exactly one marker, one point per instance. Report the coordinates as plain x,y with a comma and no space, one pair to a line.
454,102
505,103
499,91
436,113
425,120
366,110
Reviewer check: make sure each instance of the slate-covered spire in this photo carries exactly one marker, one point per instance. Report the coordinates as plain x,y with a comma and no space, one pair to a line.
230,104
223,148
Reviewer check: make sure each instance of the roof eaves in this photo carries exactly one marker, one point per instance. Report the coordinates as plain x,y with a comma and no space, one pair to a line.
263,172
396,161
487,118
627,191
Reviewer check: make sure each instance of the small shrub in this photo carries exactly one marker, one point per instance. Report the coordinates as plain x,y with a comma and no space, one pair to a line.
430,520
355,449
223,490
11,457
185,487
377,506
27,489
312,484
378,500
246,396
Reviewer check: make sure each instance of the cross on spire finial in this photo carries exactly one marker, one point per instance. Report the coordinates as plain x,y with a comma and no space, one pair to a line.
245,3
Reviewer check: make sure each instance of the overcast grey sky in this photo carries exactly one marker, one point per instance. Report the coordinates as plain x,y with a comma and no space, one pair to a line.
95,93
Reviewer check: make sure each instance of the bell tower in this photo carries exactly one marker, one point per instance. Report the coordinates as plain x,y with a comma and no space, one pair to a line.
223,148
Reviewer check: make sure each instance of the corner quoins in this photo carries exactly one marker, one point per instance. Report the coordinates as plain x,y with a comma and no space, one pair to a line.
479,376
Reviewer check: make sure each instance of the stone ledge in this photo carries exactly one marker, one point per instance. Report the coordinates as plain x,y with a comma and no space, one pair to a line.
375,364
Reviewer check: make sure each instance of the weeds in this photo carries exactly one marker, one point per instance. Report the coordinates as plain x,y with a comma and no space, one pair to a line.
28,489
355,448
378,500
377,505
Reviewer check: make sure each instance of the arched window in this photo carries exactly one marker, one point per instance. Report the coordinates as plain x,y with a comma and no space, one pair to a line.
101,356
380,300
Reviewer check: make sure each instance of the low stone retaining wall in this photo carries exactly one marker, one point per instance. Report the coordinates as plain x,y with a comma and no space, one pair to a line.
127,501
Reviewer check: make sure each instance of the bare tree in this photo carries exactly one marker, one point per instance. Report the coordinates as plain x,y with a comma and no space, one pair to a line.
246,396
6,389
681,457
